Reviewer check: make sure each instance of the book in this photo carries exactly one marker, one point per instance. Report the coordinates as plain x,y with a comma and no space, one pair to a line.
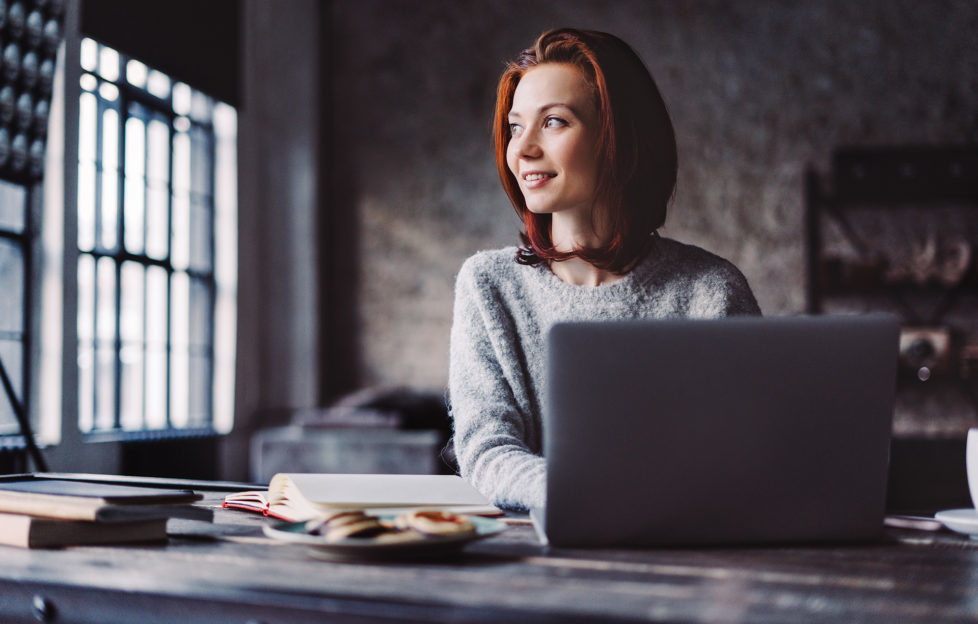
33,532
97,502
301,496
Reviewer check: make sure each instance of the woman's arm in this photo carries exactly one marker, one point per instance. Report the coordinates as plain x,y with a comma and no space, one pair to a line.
492,430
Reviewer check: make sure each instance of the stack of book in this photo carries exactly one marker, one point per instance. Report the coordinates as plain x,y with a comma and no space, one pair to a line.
39,512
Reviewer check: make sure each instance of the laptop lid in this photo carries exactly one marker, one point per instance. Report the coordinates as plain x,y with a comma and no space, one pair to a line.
740,430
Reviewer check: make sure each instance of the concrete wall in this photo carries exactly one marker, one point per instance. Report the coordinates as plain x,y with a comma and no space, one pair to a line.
758,90
278,199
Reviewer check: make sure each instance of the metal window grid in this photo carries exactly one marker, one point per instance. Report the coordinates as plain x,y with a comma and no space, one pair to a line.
133,101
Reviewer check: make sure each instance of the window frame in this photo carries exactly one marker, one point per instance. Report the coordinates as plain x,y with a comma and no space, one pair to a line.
67,447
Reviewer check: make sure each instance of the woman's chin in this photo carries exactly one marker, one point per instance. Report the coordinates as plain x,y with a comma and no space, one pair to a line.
542,209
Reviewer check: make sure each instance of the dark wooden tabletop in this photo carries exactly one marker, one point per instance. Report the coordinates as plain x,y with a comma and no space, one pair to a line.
229,572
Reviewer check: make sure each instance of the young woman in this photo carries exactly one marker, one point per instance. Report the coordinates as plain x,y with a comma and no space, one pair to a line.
587,155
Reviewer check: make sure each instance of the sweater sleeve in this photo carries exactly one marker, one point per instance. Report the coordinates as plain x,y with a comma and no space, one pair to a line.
740,300
490,427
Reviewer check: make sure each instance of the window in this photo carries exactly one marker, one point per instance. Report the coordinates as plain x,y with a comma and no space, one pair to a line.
14,284
156,261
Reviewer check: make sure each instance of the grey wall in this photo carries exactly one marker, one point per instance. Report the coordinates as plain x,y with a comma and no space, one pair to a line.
757,89
278,199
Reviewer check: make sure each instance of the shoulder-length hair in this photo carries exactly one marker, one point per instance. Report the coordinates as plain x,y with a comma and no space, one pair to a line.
636,143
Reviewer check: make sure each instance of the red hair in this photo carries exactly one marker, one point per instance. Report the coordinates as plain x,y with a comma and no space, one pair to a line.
636,143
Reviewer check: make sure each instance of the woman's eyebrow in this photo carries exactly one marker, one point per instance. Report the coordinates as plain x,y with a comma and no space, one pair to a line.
545,107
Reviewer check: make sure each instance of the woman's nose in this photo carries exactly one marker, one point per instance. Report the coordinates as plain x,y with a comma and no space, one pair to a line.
529,144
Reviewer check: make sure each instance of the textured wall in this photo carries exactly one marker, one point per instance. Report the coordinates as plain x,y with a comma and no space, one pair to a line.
758,90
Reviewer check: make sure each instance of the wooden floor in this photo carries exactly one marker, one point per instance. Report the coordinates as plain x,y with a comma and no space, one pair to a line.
229,572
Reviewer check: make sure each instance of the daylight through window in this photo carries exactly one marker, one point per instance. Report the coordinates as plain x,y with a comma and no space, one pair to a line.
157,250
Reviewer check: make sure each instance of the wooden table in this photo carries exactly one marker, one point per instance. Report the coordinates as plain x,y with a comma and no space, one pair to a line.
228,572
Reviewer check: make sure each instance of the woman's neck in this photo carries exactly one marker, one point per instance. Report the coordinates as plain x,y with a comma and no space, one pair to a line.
582,273
569,232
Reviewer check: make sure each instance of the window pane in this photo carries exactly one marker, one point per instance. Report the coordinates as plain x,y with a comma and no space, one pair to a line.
157,222
156,331
158,152
181,99
136,73
201,162
86,206
158,84
180,252
12,353
86,386
135,227
86,298
225,122
110,180
200,237
200,107
181,161
200,372
13,206
155,387
108,92
180,310
180,337
135,147
131,399
131,305
87,127
110,208
135,185
88,82
200,313
156,306
105,389
105,345
110,138
108,65
12,287
131,318
89,54
105,301
86,336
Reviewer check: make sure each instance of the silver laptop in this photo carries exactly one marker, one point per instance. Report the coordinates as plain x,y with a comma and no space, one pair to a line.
733,431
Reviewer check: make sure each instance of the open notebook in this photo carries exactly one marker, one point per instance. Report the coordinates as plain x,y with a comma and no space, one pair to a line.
301,496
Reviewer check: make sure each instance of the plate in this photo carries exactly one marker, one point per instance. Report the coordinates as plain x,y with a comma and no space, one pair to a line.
960,520
361,549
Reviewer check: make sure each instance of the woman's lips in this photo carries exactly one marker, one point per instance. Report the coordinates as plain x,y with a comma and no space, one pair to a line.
536,179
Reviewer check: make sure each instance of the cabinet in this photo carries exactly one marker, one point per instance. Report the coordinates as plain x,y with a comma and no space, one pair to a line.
896,230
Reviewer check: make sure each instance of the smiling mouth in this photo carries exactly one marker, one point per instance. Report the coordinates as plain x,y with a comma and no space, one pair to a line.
534,177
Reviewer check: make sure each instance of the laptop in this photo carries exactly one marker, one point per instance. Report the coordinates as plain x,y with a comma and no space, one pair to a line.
743,430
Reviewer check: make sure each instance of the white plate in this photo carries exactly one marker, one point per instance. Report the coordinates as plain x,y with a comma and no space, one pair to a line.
960,520
366,549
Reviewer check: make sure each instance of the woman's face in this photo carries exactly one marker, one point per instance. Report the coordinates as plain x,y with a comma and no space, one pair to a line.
553,136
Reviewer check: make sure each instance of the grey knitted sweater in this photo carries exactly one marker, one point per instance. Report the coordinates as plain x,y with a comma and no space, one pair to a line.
503,311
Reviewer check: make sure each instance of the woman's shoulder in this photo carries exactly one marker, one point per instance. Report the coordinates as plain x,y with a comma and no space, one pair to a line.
684,259
489,264
492,275
709,279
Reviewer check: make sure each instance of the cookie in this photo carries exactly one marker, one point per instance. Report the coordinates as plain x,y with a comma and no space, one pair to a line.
367,527
433,522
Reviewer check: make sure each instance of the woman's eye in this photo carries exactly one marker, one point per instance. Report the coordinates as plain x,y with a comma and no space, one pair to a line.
515,129
554,122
